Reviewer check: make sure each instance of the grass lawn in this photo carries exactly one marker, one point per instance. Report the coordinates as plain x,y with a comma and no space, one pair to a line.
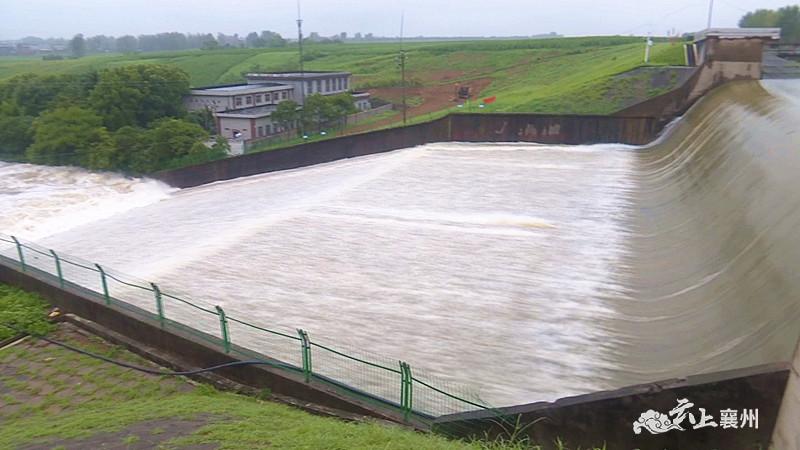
54,398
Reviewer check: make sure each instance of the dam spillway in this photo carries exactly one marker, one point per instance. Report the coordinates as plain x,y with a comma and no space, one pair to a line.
524,272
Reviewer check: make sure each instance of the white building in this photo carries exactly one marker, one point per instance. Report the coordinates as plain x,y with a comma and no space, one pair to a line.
306,83
243,111
237,96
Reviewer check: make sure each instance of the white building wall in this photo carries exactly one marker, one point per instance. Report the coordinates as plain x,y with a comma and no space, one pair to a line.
212,102
249,128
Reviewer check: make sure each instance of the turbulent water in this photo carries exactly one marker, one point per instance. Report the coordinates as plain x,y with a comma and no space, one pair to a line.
525,272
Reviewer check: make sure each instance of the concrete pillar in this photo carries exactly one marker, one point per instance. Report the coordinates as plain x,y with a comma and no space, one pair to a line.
787,429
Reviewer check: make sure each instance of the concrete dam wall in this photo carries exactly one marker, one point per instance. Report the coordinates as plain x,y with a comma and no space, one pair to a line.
711,276
603,266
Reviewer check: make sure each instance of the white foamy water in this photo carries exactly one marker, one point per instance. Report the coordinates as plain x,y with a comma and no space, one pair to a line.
37,201
486,265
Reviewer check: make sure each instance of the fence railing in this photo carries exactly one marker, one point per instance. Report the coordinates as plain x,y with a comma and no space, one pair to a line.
355,372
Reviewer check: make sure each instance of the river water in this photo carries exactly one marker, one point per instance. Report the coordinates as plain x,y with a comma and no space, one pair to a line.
519,272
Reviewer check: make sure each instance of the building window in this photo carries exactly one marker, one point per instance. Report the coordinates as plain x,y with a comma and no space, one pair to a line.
328,85
267,98
258,98
249,100
338,84
285,95
261,131
345,83
238,101
269,129
319,85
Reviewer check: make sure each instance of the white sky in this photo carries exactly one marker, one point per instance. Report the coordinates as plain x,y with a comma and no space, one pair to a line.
64,18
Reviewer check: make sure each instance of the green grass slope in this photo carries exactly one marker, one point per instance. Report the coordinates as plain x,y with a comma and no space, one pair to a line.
535,75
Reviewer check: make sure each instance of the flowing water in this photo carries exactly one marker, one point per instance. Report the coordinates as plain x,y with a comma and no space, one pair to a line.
525,272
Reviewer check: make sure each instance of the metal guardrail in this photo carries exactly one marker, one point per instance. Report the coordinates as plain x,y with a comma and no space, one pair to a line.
356,372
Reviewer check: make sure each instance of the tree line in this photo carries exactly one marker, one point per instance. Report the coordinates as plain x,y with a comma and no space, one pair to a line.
80,45
786,18
127,118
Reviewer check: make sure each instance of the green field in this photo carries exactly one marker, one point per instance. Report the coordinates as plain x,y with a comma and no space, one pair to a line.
564,75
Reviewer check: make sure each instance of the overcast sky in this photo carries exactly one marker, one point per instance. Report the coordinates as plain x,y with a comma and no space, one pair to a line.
64,18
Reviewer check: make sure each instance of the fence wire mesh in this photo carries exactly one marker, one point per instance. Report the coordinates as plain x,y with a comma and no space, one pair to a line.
357,372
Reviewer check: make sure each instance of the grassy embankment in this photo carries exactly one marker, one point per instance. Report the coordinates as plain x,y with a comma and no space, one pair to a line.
565,75
537,75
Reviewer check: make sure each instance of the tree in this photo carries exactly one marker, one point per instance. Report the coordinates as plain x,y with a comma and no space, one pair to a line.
71,136
30,94
210,44
343,106
171,139
760,18
221,146
286,114
789,23
318,110
77,46
127,44
786,18
272,39
204,118
15,135
254,41
132,145
139,94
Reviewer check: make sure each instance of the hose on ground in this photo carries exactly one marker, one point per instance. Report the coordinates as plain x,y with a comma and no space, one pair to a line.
251,362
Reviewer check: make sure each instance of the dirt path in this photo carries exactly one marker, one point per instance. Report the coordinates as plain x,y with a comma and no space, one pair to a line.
432,98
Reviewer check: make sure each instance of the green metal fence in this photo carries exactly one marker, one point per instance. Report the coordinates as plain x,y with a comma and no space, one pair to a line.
353,372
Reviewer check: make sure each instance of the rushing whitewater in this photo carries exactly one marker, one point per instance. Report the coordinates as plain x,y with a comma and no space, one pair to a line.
486,263
37,201
525,272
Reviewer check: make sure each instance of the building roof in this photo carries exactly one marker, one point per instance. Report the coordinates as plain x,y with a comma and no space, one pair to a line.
309,74
255,112
242,88
739,33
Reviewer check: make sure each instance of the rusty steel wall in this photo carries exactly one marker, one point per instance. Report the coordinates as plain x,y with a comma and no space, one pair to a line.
552,129
546,129
307,154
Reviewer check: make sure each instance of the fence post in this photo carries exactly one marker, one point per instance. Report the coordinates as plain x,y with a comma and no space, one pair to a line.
58,269
159,303
223,324
19,252
305,344
406,390
105,284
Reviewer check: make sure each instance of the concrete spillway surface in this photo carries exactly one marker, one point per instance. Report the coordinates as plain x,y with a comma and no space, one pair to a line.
523,272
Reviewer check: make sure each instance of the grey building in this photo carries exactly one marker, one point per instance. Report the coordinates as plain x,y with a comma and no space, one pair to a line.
306,83
237,96
243,111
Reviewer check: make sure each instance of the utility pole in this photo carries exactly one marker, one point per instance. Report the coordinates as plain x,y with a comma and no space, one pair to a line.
302,72
402,62
710,12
